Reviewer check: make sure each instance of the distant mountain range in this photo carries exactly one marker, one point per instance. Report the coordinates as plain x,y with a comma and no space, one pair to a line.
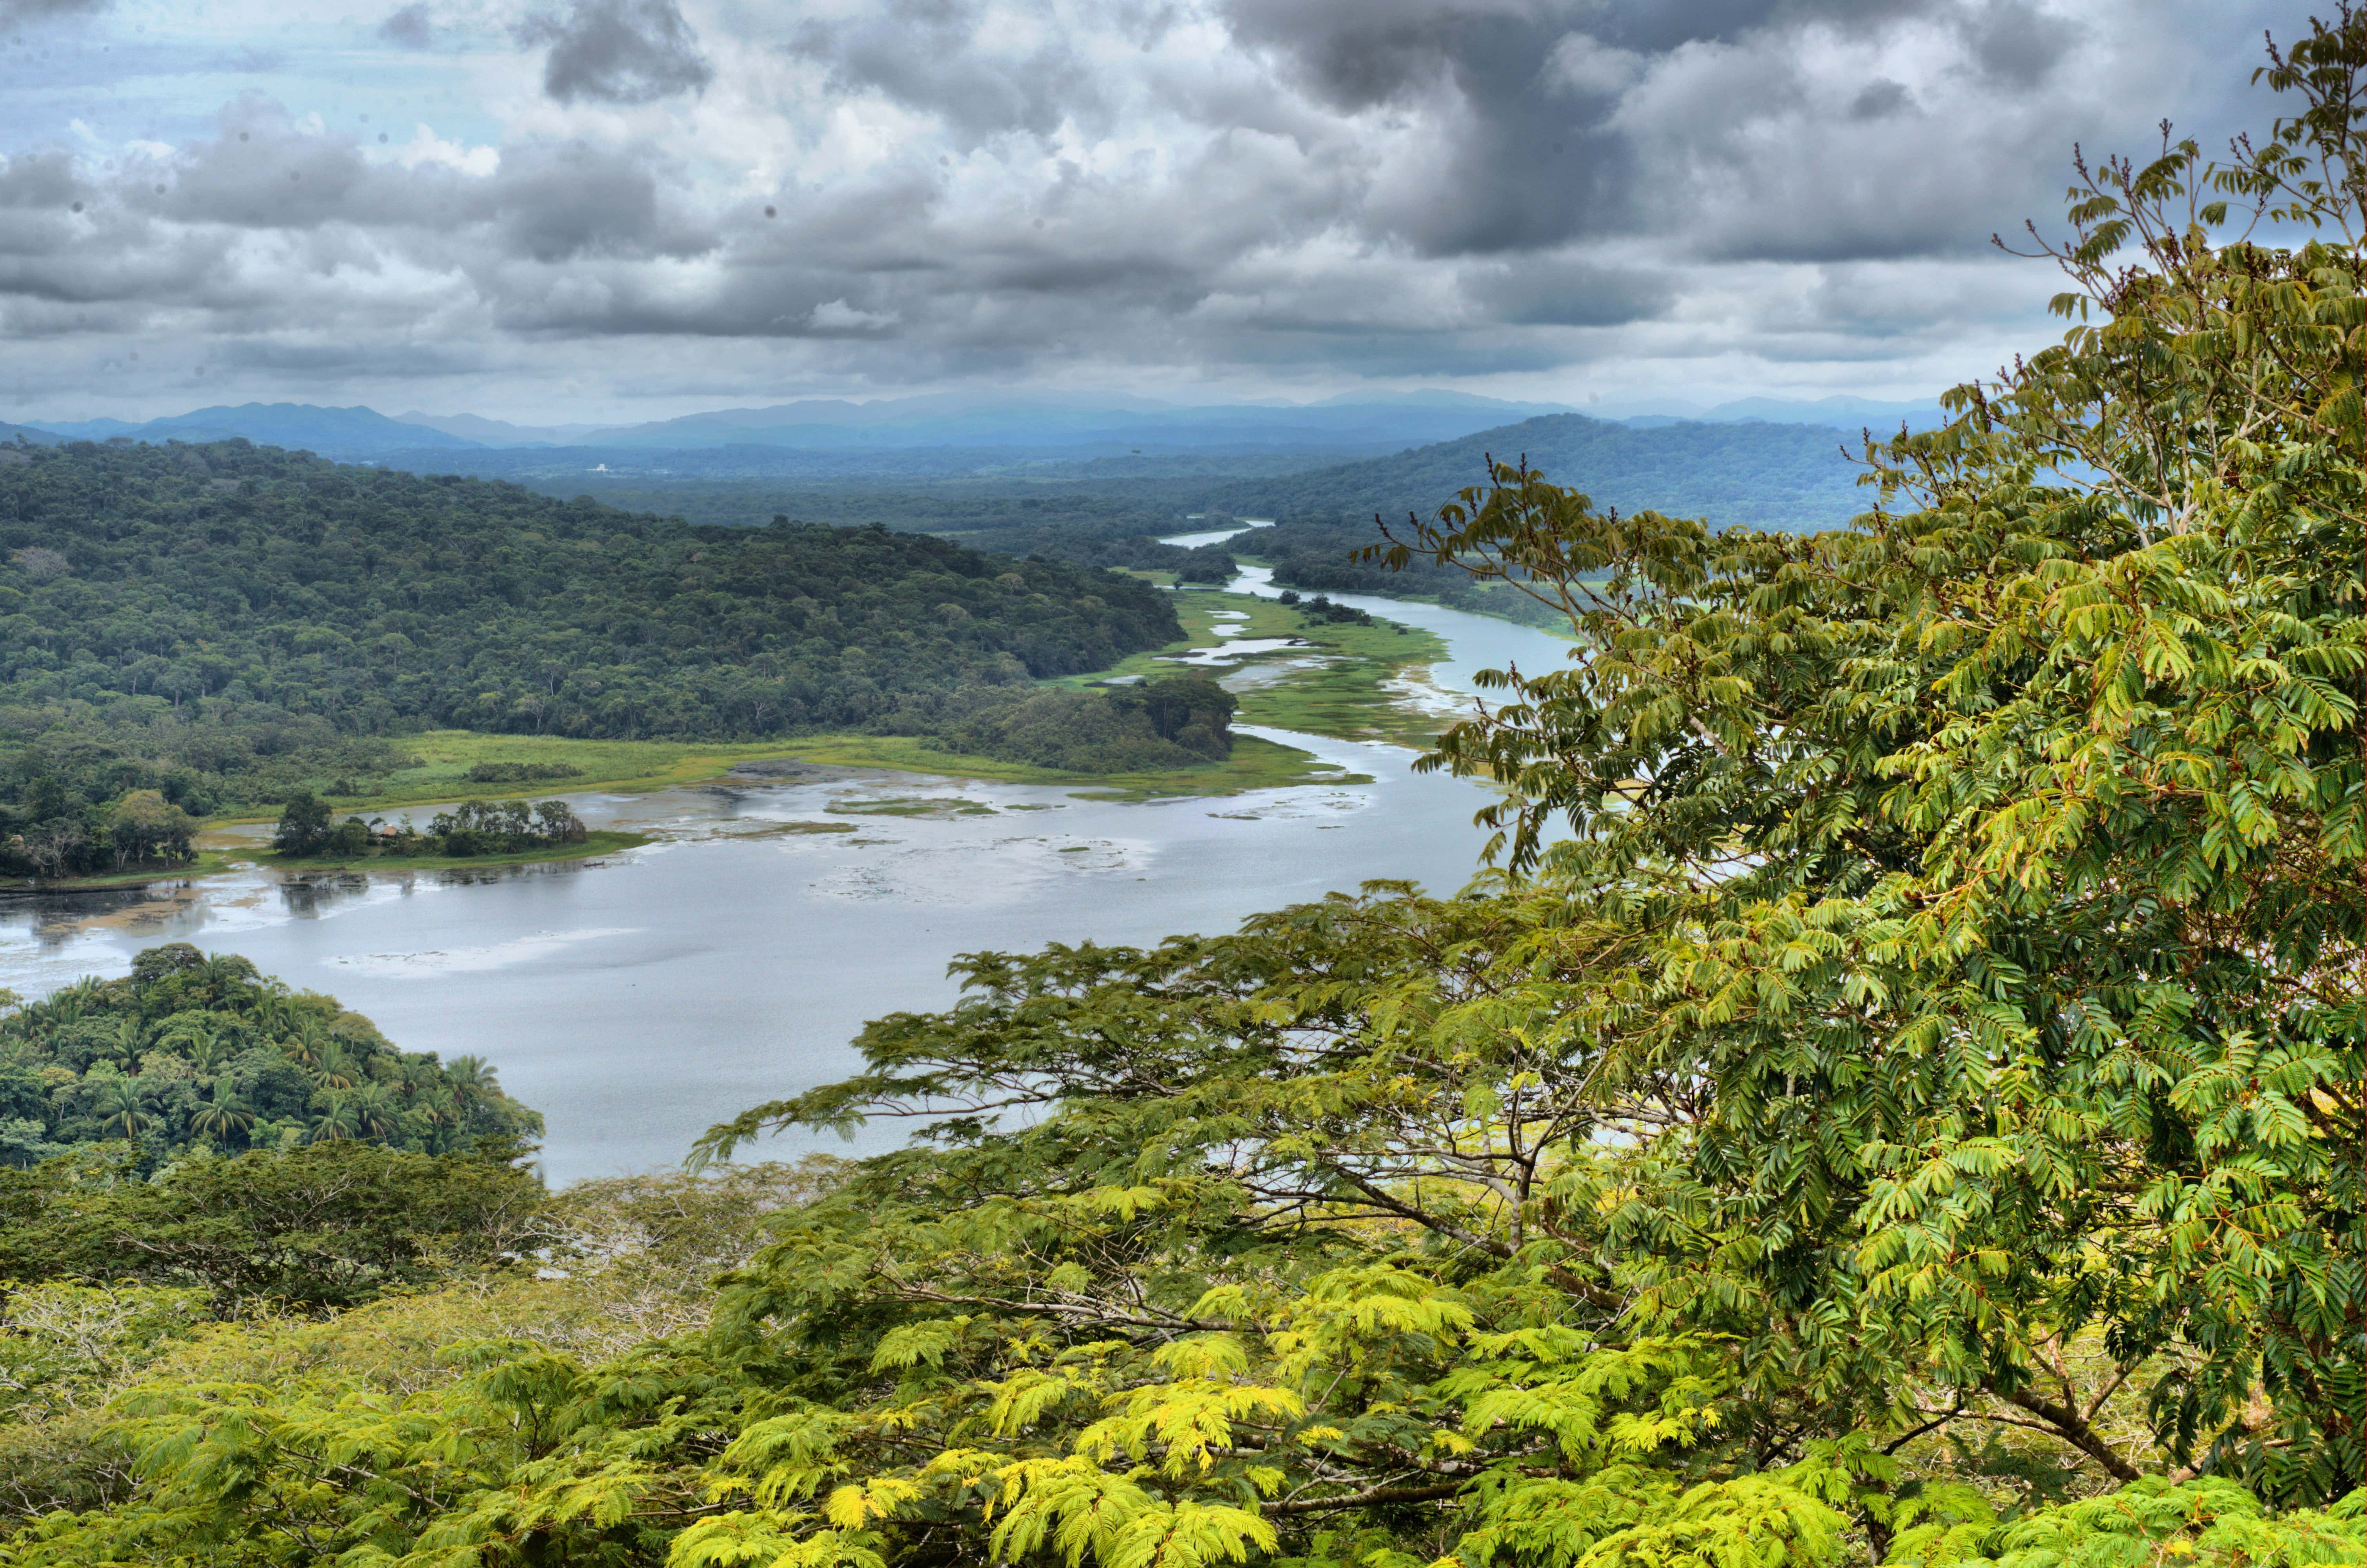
331,432
1029,426
1761,475
1840,413
961,431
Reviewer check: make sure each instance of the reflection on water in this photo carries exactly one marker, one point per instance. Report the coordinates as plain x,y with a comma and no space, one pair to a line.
1215,536
638,999
307,898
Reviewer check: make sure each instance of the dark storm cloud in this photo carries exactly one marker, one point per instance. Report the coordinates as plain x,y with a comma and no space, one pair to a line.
409,28
44,181
2015,43
554,202
1555,291
16,13
1552,133
618,51
919,52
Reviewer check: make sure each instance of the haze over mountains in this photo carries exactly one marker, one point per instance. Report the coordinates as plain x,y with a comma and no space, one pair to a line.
1358,426
1733,474
1758,462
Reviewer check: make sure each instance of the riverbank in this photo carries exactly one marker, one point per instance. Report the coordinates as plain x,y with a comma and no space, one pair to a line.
590,848
1255,765
210,862
441,761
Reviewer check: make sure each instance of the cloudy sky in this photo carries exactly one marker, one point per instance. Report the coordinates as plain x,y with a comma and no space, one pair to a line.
549,210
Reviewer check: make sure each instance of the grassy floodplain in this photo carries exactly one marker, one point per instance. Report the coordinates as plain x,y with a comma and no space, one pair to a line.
1341,691
442,759
1254,765
1341,681
1344,683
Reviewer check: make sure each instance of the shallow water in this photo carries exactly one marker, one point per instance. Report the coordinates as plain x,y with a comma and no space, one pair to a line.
1215,536
637,999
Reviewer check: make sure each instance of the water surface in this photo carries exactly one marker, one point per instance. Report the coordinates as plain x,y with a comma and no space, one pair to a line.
637,999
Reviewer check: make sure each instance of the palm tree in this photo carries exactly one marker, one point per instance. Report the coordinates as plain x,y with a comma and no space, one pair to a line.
67,1005
374,1111
221,973
332,1069
126,1107
305,1045
128,1035
204,1042
473,1084
222,1115
336,1119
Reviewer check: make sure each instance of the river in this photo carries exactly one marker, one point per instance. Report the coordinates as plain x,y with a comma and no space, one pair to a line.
637,999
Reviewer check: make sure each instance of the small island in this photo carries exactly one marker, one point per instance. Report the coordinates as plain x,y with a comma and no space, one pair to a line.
473,832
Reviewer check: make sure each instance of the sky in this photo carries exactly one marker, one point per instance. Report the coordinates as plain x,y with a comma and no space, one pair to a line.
595,209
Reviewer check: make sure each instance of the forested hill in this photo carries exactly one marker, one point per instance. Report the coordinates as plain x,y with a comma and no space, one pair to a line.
1793,477
196,611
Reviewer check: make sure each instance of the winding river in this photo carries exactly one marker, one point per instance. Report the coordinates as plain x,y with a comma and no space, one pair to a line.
637,999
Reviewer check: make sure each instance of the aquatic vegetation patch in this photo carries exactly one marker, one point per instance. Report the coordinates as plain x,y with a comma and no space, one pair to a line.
911,806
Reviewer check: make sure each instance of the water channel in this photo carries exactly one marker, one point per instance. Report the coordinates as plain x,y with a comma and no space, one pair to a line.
637,999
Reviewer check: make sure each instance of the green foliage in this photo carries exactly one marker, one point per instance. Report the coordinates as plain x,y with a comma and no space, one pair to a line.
472,827
1088,541
521,772
304,826
1321,612
2005,852
2208,1523
146,828
190,1053
1166,723
327,1225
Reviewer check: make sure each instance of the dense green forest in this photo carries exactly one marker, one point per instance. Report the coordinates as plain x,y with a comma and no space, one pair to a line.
226,624
189,1053
1168,723
1907,1111
958,509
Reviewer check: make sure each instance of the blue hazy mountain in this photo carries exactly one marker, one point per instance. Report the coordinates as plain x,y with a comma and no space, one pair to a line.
500,432
1840,413
1047,424
332,432
1742,471
1851,414
1041,427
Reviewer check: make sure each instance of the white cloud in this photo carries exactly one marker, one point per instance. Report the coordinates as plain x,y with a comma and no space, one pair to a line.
426,147
837,316
1583,63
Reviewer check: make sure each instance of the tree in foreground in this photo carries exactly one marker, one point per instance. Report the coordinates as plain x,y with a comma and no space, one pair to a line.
1912,1112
